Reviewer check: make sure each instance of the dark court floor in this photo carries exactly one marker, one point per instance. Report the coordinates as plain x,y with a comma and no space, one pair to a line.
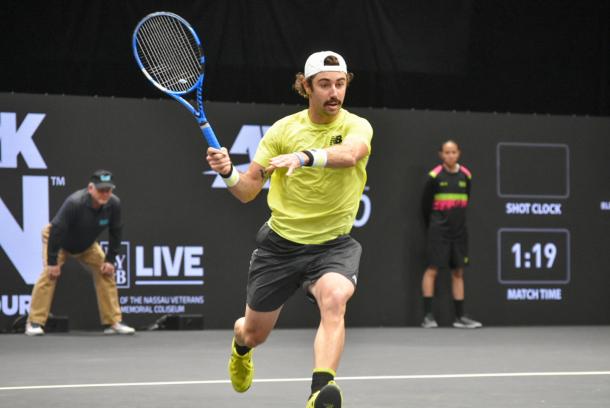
381,367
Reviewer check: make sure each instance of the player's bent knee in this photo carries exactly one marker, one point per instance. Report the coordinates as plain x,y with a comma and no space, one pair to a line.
254,338
336,299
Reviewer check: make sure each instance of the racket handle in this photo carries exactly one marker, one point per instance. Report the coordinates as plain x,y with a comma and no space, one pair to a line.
209,135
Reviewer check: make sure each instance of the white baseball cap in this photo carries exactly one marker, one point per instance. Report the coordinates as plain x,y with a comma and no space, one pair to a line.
315,63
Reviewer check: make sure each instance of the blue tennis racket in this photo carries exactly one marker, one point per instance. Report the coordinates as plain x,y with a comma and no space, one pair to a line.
169,54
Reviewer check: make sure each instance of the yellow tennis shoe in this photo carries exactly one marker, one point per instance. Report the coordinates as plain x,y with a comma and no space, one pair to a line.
241,369
328,397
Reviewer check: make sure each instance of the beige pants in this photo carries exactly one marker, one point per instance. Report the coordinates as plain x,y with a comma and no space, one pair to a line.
105,285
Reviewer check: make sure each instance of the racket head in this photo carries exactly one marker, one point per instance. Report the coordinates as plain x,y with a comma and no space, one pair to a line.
168,52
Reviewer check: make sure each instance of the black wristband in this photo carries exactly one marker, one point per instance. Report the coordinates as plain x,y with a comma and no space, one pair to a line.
228,174
309,157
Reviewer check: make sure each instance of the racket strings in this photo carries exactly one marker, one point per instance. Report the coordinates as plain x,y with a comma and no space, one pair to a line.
181,49
169,59
169,53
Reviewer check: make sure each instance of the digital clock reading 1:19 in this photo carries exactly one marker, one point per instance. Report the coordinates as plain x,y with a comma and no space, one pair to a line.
533,256
540,256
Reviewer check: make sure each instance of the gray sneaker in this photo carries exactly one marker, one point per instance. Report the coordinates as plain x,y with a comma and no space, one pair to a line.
465,322
119,328
429,321
33,329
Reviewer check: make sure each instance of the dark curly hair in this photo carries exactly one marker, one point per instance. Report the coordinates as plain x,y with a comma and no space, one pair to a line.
299,80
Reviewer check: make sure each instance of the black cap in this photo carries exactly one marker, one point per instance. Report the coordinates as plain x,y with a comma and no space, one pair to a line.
102,179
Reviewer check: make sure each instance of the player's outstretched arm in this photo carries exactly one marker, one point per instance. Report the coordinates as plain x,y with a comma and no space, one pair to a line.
346,154
244,186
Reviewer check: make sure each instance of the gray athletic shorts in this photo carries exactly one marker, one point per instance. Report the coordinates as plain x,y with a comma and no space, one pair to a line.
278,267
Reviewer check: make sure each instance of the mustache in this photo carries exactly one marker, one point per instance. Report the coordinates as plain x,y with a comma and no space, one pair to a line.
333,100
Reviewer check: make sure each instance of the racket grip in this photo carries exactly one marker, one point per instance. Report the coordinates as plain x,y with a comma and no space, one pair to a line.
209,136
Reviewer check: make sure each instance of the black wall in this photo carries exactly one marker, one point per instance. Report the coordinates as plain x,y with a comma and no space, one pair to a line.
545,56
157,154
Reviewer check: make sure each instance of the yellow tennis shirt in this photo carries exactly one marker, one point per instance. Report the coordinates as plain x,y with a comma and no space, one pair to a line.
314,205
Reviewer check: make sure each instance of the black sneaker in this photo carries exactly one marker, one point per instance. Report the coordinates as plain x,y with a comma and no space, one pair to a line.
465,322
429,321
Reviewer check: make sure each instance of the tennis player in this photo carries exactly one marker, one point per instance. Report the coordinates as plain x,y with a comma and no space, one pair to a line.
316,160
444,203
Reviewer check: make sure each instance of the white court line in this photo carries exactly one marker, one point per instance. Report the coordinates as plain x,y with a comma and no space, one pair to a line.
280,380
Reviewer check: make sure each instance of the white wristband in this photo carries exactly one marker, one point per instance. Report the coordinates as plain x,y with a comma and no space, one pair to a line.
320,157
232,178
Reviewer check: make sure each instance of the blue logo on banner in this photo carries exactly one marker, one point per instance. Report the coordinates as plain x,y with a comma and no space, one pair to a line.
104,222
